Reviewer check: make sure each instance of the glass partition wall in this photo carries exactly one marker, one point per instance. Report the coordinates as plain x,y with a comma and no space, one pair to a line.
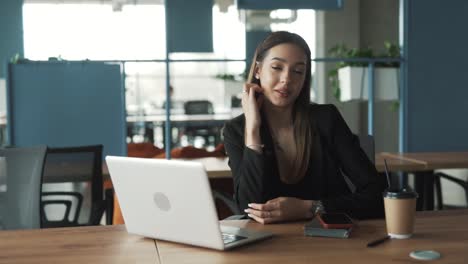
204,86
213,85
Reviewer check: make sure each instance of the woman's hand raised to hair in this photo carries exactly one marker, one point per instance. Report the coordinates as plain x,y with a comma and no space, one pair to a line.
280,209
251,106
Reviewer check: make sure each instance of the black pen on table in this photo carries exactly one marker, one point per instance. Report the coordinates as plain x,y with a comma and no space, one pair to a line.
378,241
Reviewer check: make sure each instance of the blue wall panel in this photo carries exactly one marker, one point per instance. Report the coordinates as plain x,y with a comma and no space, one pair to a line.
67,104
253,38
437,114
289,4
190,25
11,31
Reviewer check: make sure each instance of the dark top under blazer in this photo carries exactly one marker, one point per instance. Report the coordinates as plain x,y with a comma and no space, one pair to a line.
334,149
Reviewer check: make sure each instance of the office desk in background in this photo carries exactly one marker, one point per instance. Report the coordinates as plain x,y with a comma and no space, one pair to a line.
181,121
422,165
443,231
434,160
219,168
216,168
424,177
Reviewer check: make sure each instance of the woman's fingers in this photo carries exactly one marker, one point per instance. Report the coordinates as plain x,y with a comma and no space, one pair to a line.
263,220
251,87
249,92
246,93
263,207
264,213
256,218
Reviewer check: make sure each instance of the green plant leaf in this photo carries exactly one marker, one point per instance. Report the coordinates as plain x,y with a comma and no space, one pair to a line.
15,58
394,106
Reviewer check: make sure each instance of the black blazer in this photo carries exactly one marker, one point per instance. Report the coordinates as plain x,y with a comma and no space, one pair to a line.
334,150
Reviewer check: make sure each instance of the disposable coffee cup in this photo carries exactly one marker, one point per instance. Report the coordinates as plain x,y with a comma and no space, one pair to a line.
400,207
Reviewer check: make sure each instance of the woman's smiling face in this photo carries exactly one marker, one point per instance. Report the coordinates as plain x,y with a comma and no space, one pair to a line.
282,73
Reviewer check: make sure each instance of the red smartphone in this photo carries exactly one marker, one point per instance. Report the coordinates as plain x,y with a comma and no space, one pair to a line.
335,220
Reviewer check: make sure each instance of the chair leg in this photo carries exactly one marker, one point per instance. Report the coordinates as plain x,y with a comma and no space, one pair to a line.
438,188
466,195
109,193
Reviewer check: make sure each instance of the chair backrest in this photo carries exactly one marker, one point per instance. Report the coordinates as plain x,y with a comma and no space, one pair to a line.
198,107
78,165
367,144
24,170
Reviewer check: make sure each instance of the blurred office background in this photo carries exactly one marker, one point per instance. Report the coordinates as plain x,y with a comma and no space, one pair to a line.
208,65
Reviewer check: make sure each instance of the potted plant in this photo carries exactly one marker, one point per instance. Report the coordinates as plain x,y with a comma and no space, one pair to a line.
349,80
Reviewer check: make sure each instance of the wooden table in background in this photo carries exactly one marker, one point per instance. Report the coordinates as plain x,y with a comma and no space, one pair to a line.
434,160
443,231
424,178
215,167
396,164
420,164
218,167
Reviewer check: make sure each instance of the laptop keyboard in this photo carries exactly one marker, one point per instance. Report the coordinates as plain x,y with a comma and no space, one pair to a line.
230,238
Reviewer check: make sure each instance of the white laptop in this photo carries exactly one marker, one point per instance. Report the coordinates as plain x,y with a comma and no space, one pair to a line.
171,200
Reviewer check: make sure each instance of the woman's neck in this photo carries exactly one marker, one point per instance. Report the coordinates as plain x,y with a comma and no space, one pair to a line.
278,117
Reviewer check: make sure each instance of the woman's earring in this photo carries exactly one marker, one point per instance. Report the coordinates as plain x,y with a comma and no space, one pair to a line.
257,77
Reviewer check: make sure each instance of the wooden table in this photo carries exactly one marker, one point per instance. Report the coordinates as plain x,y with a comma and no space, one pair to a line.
434,160
219,168
215,167
396,164
98,244
422,165
443,231
424,178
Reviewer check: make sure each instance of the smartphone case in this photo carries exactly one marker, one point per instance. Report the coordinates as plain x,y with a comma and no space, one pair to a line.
314,228
335,225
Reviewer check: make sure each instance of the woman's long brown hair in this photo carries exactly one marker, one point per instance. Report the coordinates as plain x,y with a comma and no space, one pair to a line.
301,119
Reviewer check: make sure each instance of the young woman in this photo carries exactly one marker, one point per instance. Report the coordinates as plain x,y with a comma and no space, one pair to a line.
287,155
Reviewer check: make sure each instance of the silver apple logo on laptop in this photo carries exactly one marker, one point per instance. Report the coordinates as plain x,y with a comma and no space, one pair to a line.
161,201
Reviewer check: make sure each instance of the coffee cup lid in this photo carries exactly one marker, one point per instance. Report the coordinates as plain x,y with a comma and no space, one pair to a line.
400,193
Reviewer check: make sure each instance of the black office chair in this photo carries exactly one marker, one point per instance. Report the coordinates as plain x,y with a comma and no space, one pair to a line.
81,166
20,203
368,146
438,187
200,107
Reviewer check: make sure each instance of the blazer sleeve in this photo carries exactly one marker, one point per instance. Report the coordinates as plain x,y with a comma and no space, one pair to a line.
247,166
366,201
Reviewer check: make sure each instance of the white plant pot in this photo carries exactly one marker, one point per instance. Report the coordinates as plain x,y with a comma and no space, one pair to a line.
354,83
